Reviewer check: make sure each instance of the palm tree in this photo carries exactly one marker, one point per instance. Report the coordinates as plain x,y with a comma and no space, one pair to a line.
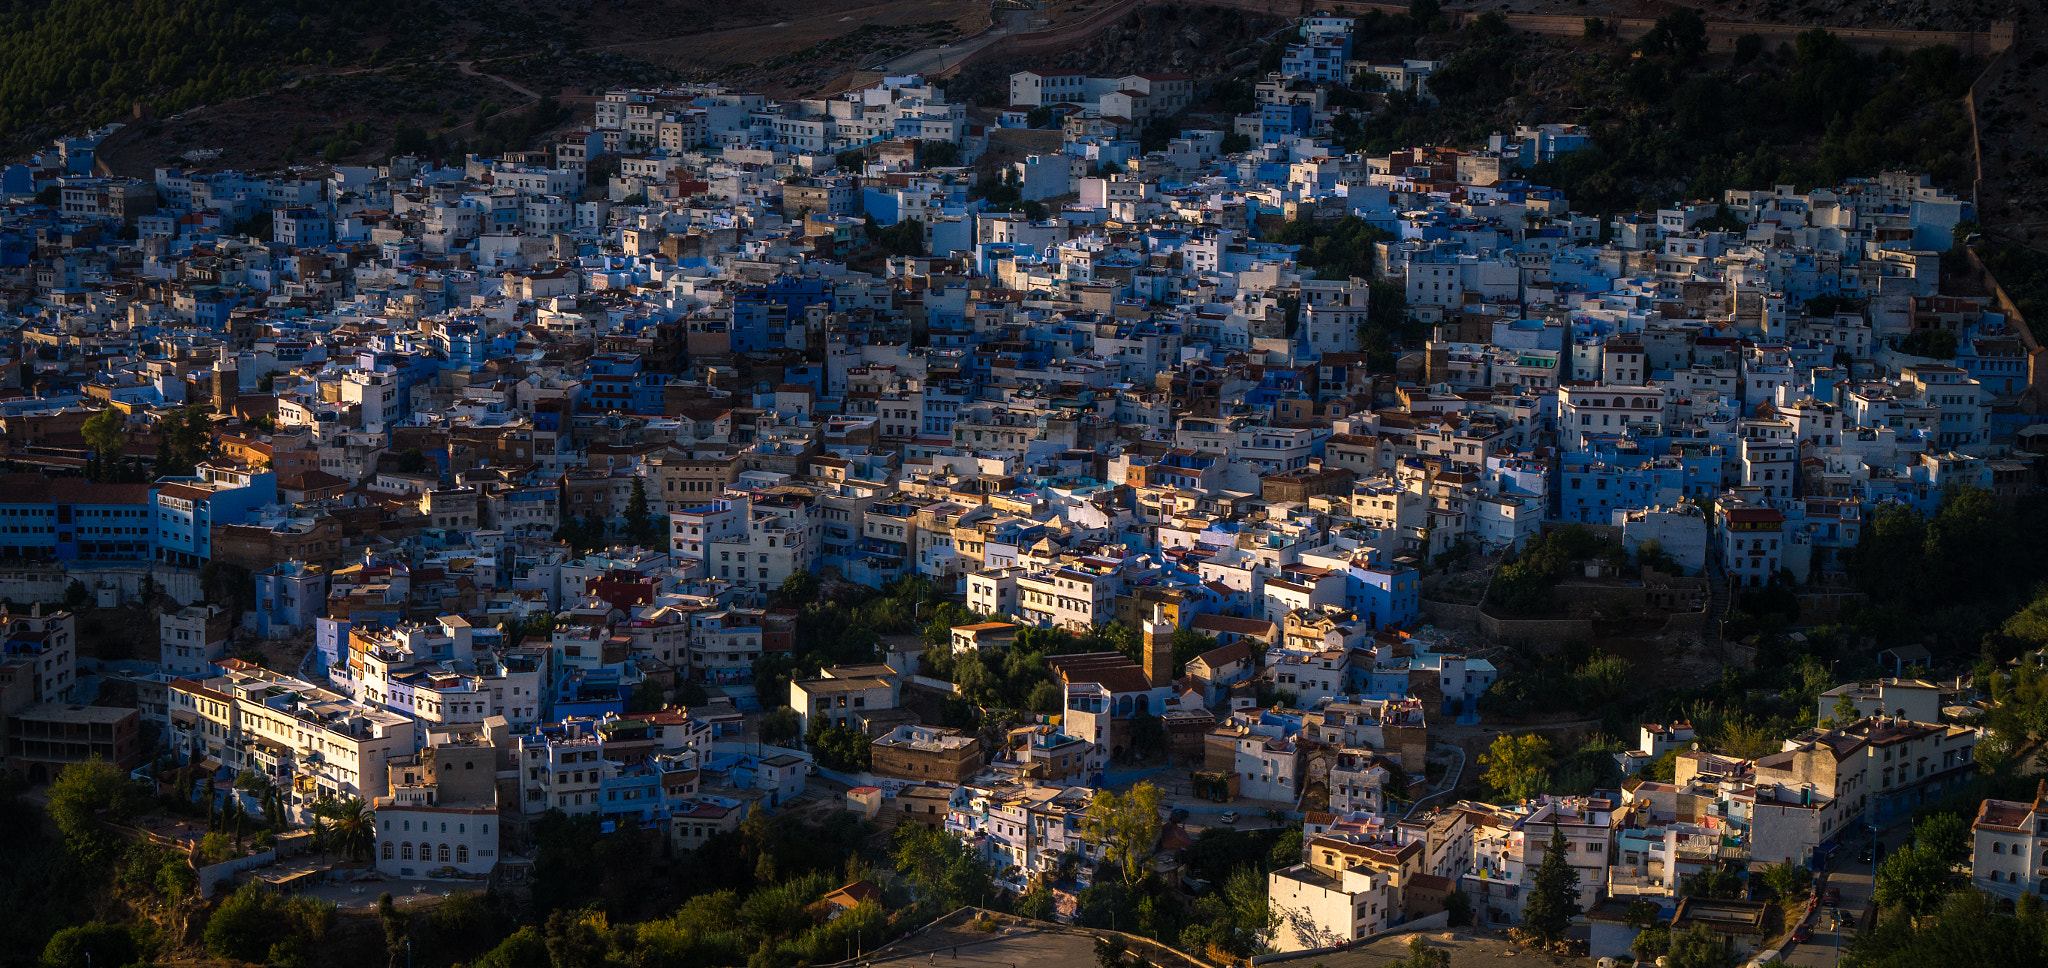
350,827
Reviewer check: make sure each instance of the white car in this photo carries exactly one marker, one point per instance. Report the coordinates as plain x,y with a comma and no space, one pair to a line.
1229,816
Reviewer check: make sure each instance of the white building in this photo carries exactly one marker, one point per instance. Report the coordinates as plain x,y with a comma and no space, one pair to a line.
190,639
415,839
1320,905
2009,846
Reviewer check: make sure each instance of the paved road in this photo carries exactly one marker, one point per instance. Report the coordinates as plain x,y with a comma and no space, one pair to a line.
1449,782
1852,877
469,68
933,60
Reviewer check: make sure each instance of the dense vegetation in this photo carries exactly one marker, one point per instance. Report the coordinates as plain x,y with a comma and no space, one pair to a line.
1524,583
1678,131
1953,578
2022,272
1346,249
1669,122
1929,915
70,61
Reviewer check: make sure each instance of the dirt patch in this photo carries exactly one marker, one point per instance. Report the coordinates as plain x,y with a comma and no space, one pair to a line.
1006,145
1893,14
1203,41
293,125
789,48
1467,948
2012,132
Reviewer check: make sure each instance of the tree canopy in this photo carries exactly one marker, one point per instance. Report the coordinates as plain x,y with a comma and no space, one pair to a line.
1518,766
1126,827
1553,898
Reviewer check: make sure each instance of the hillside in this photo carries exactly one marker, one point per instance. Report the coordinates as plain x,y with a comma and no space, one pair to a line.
284,80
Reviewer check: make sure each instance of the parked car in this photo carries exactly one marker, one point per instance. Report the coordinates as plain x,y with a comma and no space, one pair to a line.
1801,933
1833,897
1229,816
1178,815
1869,854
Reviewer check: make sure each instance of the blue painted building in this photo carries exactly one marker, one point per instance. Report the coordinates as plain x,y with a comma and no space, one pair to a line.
73,520
185,509
290,595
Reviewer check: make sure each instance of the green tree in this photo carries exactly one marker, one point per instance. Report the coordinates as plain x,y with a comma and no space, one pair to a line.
85,794
1045,697
192,436
257,926
647,697
1913,879
1681,33
840,748
1125,827
351,829
1251,908
1715,883
1964,931
1421,955
1747,47
1553,898
940,868
395,925
800,588
1038,905
1650,943
110,945
780,725
1944,835
1788,882
1458,906
1641,914
1698,947
1843,713
939,154
1663,769
1518,766
640,523
103,433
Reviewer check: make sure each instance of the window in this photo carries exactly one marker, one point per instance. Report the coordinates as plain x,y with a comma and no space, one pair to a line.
405,851
387,850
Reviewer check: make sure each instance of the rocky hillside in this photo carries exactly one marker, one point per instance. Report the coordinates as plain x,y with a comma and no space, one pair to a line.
1206,42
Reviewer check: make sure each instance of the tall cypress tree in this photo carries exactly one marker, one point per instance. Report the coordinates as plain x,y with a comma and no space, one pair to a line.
1553,895
639,519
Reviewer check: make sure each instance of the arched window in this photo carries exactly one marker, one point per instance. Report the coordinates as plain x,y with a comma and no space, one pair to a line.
387,850
462,853
1997,848
405,851
444,852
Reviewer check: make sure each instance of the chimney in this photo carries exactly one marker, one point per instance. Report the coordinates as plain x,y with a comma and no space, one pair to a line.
1158,647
